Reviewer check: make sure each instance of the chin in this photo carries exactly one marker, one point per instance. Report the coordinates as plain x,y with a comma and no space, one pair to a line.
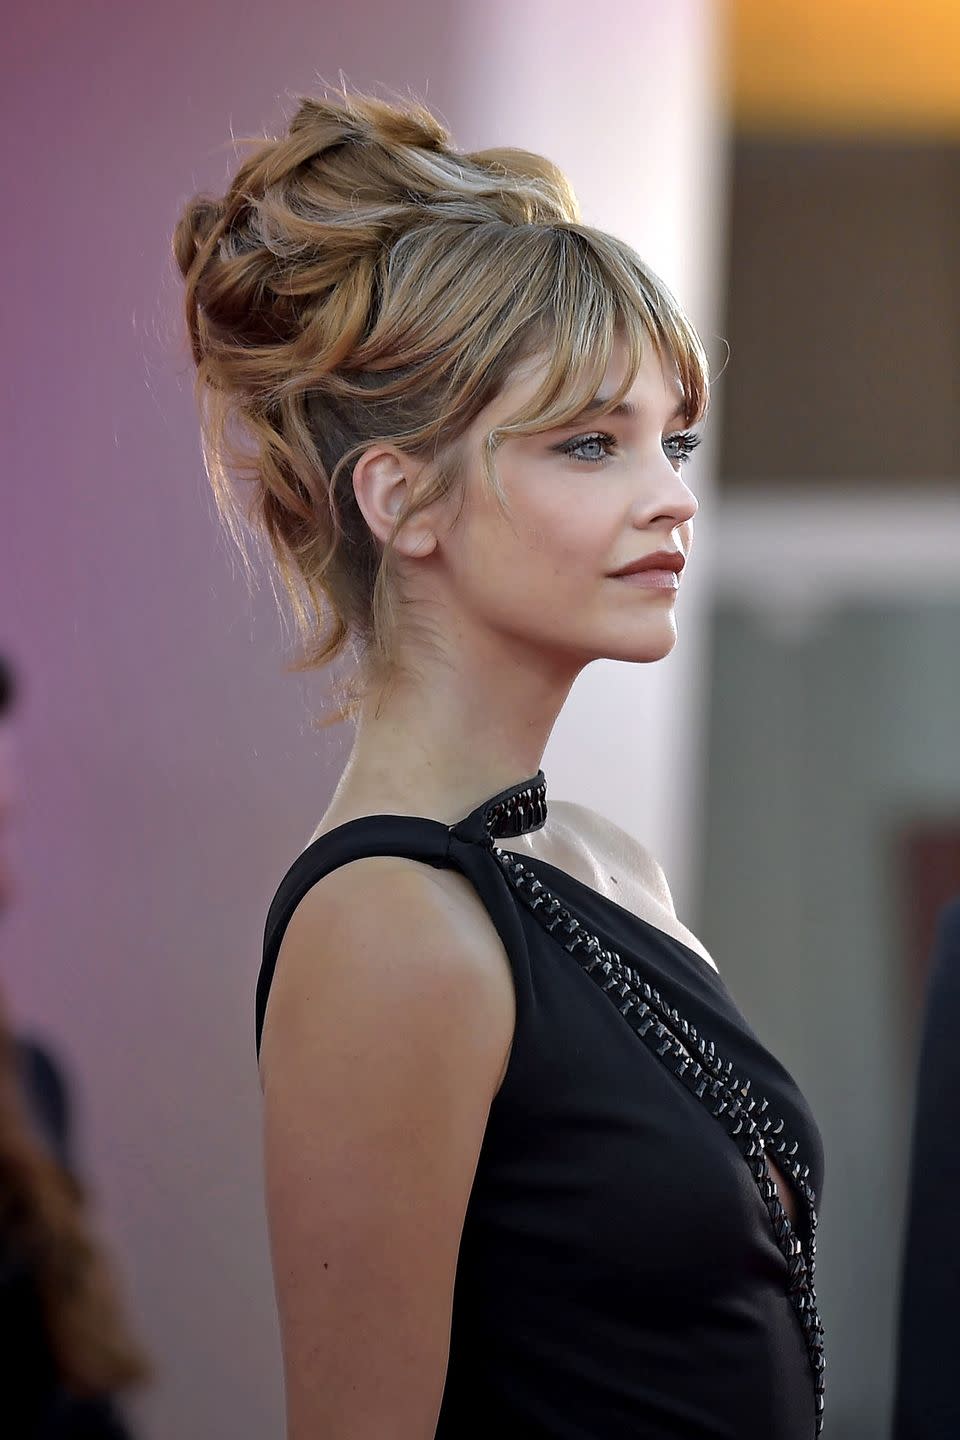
655,644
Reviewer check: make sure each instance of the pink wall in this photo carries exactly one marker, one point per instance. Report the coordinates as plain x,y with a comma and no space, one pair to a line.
167,773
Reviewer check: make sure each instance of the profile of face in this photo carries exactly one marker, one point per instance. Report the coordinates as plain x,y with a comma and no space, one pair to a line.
536,586
585,500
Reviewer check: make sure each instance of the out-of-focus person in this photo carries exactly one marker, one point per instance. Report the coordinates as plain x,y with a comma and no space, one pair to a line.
927,1404
65,1347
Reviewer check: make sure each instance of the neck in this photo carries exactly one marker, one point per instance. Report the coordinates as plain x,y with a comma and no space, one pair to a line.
440,748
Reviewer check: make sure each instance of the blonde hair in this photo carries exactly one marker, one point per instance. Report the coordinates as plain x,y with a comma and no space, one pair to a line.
363,282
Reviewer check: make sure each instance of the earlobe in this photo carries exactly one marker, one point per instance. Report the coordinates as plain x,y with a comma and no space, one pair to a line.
416,544
418,537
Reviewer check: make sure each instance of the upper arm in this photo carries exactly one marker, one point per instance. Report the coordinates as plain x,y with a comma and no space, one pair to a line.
382,1045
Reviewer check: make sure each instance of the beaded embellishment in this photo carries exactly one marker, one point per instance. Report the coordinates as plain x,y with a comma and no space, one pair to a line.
749,1122
517,810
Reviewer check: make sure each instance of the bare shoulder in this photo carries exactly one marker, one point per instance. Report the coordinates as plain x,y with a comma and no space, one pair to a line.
384,1037
403,926
610,845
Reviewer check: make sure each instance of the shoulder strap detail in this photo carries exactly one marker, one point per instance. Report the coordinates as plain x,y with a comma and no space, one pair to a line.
410,837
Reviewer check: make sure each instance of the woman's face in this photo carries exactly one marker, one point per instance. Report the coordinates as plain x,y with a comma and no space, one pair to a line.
585,500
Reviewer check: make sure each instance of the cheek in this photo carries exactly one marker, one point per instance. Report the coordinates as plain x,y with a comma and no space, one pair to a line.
538,573
559,537
566,530
562,552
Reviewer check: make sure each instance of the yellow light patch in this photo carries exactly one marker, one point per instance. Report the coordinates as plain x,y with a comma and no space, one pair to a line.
845,66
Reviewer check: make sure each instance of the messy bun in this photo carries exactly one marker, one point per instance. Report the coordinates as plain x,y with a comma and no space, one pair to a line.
362,281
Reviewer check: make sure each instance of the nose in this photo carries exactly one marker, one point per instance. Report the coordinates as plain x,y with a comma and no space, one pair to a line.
671,500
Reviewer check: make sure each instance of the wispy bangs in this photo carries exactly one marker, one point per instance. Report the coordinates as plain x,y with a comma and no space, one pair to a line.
602,291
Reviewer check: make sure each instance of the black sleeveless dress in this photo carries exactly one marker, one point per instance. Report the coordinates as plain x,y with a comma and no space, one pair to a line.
626,1269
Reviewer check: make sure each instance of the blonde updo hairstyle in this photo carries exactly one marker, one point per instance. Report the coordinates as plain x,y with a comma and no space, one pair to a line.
363,282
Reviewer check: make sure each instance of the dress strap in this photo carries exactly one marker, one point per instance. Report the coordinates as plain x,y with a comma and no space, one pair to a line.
413,838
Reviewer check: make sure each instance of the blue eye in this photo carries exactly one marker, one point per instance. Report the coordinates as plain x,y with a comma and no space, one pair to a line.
678,447
682,445
582,442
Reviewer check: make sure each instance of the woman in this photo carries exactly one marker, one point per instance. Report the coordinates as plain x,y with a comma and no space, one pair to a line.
529,1172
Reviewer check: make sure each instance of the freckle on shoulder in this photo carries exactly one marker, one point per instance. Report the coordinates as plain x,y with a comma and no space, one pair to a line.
619,848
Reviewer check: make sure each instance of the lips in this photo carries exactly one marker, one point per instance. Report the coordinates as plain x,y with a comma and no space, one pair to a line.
659,560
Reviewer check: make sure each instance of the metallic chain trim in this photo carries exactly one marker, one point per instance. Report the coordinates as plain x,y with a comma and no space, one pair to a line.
517,813
750,1123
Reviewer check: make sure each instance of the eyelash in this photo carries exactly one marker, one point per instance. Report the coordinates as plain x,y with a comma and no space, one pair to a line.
686,440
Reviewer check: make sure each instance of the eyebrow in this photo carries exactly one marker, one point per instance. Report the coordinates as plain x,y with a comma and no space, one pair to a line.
626,409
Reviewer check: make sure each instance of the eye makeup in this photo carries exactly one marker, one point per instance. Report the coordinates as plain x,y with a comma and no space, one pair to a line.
679,446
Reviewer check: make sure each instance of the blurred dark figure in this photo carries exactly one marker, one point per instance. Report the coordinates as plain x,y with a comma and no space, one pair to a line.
64,1347
927,1405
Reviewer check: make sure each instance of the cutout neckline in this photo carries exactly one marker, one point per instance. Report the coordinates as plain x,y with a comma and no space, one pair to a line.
703,965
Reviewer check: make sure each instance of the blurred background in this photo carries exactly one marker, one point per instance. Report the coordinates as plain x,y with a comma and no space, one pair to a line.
793,172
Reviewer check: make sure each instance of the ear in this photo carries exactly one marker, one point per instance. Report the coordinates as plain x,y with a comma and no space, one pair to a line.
383,478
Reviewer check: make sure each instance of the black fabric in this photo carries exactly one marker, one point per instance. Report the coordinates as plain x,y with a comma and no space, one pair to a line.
927,1405
618,1275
